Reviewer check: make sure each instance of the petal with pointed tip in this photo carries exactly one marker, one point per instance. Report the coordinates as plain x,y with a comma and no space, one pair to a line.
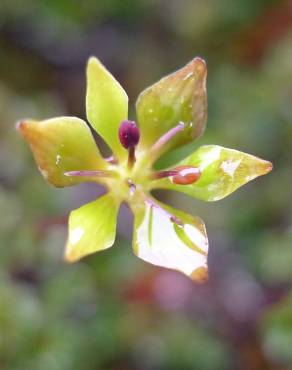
92,228
60,145
106,104
179,97
164,243
222,170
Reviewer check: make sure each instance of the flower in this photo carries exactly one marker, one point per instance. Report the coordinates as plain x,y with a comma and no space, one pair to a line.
170,114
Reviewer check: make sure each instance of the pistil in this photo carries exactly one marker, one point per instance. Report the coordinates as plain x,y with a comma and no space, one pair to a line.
132,186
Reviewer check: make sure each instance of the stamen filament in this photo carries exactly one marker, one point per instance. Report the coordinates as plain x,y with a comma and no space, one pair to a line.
112,160
163,174
180,175
153,204
165,138
89,173
131,157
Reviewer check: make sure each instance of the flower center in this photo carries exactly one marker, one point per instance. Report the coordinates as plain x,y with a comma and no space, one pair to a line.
129,135
131,180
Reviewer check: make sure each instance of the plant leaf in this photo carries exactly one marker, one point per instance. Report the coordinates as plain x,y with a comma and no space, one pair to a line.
222,172
106,104
60,145
92,228
162,242
179,97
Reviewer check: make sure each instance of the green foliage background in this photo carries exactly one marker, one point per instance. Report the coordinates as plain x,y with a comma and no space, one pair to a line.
112,311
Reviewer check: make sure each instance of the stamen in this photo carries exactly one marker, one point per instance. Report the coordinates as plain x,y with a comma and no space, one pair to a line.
172,218
89,173
163,174
166,137
129,136
181,175
131,156
112,160
186,175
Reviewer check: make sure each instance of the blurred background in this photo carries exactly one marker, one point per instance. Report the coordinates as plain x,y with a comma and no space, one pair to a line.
112,311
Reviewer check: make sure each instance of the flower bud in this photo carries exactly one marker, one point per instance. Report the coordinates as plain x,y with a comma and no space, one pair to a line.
129,134
186,175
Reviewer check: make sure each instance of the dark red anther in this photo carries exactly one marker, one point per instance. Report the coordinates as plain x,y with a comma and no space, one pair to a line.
186,175
129,134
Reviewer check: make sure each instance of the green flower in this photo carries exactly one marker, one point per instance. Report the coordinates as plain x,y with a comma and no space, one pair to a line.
171,113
